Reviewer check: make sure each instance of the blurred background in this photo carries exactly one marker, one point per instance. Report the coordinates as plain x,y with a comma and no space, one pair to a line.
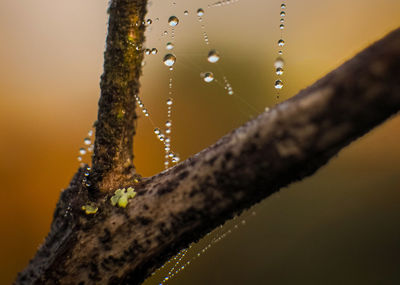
340,226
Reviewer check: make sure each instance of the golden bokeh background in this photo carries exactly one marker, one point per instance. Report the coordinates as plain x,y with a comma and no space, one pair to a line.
340,226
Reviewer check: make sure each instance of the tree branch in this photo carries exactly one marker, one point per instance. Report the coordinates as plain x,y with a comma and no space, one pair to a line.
182,204
113,152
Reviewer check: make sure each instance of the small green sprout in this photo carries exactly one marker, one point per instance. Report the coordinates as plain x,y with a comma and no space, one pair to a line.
121,197
90,209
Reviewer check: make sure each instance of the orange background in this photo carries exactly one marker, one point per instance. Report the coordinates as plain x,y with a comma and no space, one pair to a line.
338,227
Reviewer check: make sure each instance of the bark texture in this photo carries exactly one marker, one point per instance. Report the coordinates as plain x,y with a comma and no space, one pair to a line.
182,204
113,152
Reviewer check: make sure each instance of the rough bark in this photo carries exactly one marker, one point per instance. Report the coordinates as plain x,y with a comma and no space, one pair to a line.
113,152
182,204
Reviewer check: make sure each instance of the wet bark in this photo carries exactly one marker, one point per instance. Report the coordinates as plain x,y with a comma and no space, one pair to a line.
115,126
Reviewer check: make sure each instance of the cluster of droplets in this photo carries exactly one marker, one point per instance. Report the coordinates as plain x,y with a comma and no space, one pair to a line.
149,51
87,147
176,267
139,102
228,86
200,14
178,262
132,41
212,57
279,62
86,178
222,3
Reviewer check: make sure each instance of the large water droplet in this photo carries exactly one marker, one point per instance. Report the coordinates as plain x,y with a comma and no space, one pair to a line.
278,84
283,14
176,158
281,43
279,62
169,60
208,77
213,56
200,12
173,21
279,71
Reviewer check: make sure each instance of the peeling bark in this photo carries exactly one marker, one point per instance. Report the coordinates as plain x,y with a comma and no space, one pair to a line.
182,204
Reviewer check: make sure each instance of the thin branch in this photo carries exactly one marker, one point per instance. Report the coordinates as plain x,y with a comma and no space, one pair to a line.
113,153
182,204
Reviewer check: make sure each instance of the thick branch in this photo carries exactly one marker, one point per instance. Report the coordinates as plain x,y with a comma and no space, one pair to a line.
180,205
113,153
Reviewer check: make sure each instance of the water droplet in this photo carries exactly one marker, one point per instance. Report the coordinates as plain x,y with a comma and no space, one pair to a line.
208,77
279,71
157,131
278,84
169,60
90,133
283,6
154,51
149,21
279,62
168,124
200,12
173,21
281,43
281,26
79,158
169,101
283,14
147,51
176,158
213,56
87,141
186,13
82,151
170,46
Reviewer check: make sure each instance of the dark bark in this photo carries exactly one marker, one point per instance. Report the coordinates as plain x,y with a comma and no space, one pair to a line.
113,152
182,204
